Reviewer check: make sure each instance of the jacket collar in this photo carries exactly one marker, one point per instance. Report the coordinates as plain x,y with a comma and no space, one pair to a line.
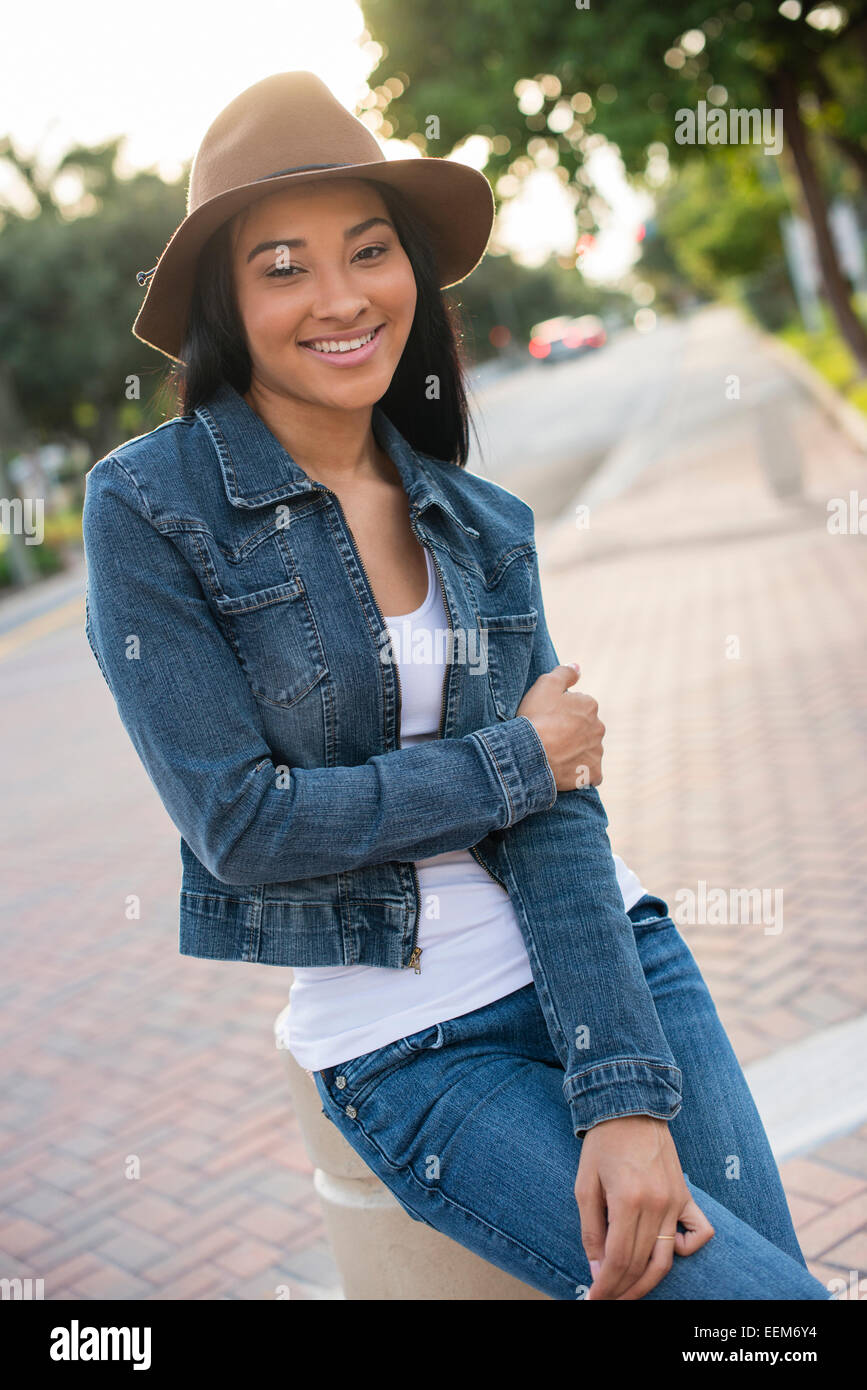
257,470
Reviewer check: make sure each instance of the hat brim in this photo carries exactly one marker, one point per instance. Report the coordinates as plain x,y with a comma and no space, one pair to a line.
455,201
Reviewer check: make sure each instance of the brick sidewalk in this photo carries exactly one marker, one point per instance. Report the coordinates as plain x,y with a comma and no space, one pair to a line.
116,1046
747,770
741,772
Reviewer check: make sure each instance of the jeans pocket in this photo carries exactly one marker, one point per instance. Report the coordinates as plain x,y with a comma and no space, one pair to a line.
355,1080
425,1040
274,636
506,646
346,1081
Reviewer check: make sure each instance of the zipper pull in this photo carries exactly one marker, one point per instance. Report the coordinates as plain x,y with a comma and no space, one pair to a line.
415,959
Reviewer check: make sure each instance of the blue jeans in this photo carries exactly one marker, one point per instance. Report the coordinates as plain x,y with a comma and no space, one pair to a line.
466,1124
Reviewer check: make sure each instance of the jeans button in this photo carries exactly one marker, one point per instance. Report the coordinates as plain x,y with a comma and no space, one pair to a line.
340,1082
351,1111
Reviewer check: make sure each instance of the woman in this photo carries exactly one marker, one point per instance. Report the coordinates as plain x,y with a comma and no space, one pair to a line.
488,1000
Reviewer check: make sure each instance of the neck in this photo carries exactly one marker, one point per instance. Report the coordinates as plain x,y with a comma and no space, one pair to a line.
334,447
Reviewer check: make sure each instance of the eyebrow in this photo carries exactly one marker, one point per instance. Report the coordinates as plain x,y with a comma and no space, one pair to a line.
299,241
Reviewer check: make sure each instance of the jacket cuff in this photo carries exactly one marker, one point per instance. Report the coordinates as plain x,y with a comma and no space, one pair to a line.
520,763
628,1086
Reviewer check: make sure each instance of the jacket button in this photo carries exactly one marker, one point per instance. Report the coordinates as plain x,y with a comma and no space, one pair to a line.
340,1082
351,1111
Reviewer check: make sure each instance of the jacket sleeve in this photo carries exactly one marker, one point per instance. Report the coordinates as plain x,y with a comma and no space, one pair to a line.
560,874
196,727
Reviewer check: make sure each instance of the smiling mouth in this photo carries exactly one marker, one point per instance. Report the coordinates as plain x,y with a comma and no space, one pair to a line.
332,347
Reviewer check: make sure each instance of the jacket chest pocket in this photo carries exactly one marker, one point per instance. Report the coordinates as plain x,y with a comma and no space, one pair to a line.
506,643
275,638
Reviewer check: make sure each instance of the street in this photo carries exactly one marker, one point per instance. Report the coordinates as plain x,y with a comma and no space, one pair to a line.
681,482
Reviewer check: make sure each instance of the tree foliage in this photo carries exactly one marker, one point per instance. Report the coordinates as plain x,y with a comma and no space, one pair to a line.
543,81
68,296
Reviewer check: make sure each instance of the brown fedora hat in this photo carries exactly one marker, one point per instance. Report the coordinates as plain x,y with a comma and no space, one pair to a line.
286,127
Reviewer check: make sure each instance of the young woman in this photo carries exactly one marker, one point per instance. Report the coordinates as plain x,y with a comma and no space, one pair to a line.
327,642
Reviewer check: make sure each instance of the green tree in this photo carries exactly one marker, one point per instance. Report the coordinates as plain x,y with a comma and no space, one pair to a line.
623,71
719,218
722,219
68,297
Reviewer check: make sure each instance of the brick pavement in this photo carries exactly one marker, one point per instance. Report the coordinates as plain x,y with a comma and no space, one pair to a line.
722,628
147,1146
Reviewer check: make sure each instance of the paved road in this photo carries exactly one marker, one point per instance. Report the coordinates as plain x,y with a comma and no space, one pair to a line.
722,629
544,429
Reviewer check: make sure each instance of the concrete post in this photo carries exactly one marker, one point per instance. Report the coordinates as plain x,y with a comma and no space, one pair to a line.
380,1251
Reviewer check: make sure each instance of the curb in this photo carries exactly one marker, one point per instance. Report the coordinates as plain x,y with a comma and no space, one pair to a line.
813,1090
836,407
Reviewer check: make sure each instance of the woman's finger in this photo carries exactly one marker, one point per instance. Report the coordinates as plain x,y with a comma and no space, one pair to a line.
593,1218
697,1232
623,1219
646,1231
658,1266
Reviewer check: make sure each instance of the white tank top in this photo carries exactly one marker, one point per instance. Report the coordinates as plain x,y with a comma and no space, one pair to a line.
472,951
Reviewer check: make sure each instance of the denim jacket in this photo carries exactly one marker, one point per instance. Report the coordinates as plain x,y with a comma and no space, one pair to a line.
232,619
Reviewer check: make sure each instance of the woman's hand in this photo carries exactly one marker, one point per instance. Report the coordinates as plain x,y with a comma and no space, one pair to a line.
629,1168
569,727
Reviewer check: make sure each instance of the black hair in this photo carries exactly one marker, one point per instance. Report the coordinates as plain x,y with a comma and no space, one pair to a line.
215,349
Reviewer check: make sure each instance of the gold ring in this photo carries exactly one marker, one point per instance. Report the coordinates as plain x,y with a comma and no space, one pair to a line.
666,1237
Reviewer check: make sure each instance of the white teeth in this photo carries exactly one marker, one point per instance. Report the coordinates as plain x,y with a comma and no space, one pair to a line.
342,345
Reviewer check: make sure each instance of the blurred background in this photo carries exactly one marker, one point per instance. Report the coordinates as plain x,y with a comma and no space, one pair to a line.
667,351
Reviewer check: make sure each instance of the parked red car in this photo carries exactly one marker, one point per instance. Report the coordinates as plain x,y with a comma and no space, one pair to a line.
561,337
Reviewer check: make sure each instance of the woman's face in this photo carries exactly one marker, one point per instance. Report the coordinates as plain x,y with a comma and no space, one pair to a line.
316,264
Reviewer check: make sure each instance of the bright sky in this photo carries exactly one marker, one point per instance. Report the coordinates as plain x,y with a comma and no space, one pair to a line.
160,73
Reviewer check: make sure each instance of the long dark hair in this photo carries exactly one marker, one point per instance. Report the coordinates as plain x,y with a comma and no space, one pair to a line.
215,349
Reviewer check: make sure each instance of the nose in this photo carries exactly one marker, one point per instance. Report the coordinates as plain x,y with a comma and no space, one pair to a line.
338,297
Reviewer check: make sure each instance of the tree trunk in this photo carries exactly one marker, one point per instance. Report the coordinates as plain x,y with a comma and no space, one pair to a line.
836,289
849,148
